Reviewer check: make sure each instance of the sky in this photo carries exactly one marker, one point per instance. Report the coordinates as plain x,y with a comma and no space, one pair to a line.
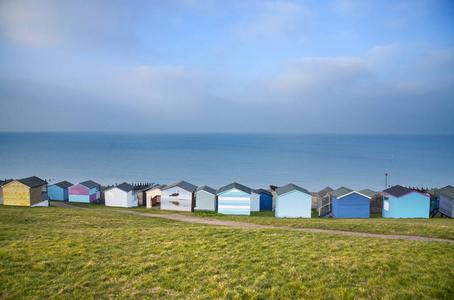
342,66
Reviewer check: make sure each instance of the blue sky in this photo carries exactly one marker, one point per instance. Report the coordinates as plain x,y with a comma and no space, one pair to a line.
355,67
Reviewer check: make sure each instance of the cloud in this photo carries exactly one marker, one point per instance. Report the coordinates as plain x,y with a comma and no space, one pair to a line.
275,20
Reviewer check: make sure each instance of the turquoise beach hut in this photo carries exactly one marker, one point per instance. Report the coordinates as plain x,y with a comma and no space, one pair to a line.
59,191
234,199
206,199
293,201
347,203
401,202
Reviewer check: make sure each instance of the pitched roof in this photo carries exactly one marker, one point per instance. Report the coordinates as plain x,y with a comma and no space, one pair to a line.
447,191
235,185
90,184
397,191
64,184
206,189
325,191
340,192
262,191
291,187
367,192
143,187
183,184
152,187
32,181
125,187
2,183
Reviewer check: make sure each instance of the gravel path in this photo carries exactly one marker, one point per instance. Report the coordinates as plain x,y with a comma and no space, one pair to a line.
198,220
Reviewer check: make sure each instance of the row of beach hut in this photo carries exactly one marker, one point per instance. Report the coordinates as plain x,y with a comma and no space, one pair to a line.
291,201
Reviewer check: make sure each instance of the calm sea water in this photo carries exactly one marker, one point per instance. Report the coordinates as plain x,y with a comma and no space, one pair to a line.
255,160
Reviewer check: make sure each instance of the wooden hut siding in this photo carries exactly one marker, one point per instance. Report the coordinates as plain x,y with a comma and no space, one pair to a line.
351,206
294,204
446,206
16,193
205,200
413,205
177,198
56,193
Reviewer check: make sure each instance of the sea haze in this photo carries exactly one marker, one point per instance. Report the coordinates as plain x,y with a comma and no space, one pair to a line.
255,160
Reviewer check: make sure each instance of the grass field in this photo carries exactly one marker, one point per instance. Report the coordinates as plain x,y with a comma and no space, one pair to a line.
70,253
433,227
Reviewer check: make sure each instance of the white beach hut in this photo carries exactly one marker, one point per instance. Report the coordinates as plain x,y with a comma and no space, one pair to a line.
122,195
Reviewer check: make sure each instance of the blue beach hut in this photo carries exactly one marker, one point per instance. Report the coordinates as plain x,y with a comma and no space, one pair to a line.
234,199
347,203
401,202
261,200
293,201
59,191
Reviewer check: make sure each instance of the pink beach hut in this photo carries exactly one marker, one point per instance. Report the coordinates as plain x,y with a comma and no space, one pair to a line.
84,192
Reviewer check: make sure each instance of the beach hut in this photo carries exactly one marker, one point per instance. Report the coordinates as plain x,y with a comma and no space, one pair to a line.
446,196
376,200
141,196
206,199
261,200
153,195
122,195
293,201
59,191
347,203
85,192
401,202
234,199
30,191
179,196
324,200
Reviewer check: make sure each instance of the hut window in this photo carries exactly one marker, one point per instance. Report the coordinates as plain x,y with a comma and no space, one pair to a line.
386,205
386,196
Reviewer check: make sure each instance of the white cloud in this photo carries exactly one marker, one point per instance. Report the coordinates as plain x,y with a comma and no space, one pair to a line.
275,20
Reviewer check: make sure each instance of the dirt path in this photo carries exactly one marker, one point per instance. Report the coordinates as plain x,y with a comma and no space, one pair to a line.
198,220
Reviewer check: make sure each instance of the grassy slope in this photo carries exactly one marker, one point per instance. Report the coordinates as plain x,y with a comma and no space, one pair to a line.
433,227
69,253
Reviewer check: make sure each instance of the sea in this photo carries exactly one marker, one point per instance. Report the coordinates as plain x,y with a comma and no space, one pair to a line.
312,161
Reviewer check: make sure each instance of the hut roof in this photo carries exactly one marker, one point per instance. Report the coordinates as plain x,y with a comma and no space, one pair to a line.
235,185
398,191
2,183
125,187
64,184
262,191
367,192
290,187
341,192
325,191
447,191
183,184
143,188
90,184
207,189
32,181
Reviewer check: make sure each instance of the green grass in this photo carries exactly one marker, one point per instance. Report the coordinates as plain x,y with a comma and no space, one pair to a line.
433,227
70,253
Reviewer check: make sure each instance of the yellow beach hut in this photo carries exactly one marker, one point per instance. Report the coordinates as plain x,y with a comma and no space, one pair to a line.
28,191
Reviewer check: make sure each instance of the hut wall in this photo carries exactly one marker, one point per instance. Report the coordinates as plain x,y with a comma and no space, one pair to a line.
412,205
446,206
119,198
16,193
376,204
294,204
178,199
152,197
255,202
266,202
36,195
79,193
234,202
1,195
54,192
351,206
205,201
322,201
